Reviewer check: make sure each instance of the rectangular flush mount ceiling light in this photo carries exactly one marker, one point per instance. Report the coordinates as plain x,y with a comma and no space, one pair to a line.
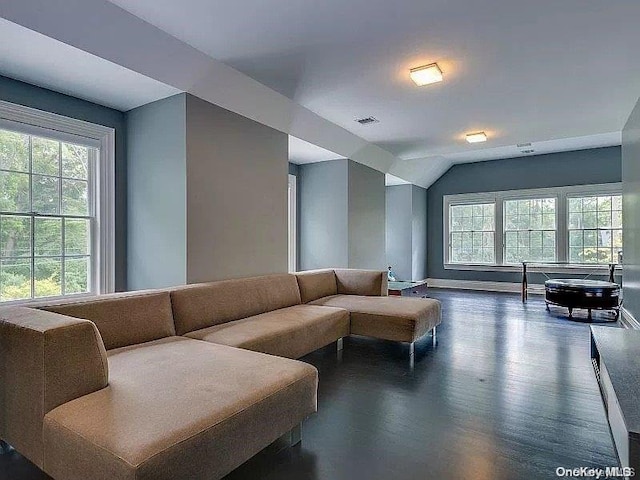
426,74
476,137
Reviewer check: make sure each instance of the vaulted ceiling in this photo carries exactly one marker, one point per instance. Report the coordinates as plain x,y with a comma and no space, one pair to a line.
557,74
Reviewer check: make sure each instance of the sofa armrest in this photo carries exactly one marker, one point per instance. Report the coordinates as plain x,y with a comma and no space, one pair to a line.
46,360
362,282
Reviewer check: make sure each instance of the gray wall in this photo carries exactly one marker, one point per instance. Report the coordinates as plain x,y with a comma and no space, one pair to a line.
419,233
631,211
31,96
324,221
366,217
399,230
342,215
406,231
236,195
583,167
157,240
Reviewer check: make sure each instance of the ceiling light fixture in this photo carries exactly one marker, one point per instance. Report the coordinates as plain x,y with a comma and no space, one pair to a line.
476,137
426,74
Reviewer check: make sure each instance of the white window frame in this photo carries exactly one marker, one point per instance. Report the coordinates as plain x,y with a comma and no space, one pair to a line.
293,223
562,230
37,122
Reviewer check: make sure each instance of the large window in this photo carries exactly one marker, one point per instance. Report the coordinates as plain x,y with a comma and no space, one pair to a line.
530,230
595,228
46,211
55,207
472,233
574,225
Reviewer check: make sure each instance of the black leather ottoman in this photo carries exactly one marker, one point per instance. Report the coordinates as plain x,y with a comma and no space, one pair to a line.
584,294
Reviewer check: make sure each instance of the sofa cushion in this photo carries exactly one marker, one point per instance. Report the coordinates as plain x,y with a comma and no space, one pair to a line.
178,408
361,282
124,319
207,304
289,332
316,284
403,319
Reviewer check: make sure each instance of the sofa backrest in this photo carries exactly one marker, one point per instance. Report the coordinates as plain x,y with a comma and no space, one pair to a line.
315,284
46,360
124,319
362,282
207,304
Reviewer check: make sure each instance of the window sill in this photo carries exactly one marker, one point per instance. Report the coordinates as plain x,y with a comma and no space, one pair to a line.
47,301
578,269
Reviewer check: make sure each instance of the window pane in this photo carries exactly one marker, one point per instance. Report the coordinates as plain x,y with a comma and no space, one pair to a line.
590,237
45,156
47,277
46,194
589,220
575,238
14,192
15,279
76,237
604,219
75,161
75,200
76,275
48,236
15,236
575,204
14,151
589,204
617,239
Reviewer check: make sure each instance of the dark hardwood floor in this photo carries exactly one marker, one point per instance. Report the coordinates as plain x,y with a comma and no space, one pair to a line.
508,393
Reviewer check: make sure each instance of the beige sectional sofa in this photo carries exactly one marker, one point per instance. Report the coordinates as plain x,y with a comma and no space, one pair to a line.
182,383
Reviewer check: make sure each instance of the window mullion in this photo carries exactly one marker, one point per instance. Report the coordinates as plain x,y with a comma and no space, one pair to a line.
562,228
499,231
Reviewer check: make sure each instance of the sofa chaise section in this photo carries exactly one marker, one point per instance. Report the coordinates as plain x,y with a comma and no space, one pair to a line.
364,294
263,314
178,408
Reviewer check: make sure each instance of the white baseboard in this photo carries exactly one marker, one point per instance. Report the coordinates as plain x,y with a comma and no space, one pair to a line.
628,320
508,287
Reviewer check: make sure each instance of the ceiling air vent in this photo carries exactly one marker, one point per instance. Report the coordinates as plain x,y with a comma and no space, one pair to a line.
523,145
367,120
531,150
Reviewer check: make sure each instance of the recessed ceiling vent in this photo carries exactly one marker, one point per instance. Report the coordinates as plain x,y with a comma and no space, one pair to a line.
367,120
528,151
523,145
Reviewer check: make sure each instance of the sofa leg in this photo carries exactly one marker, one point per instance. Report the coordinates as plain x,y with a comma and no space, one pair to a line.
288,440
433,336
5,447
340,344
296,434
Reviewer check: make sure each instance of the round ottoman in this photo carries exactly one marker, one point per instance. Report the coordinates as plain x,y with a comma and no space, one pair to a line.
585,294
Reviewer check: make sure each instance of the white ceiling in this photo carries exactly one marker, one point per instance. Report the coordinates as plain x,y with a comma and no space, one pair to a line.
34,58
561,75
523,71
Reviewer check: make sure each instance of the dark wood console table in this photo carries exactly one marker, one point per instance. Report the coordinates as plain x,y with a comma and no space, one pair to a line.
615,355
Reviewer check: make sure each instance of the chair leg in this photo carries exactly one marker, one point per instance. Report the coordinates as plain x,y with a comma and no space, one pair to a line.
339,344
433,336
